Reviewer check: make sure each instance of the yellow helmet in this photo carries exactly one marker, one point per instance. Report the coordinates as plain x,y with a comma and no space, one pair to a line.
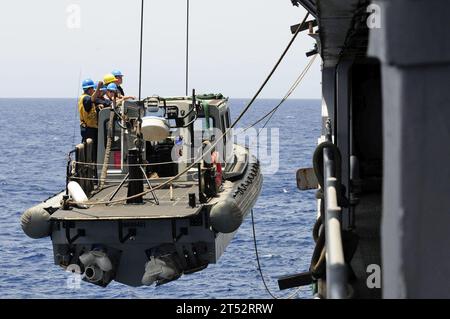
109,78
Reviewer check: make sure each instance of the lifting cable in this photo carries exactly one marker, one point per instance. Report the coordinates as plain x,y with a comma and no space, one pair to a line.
271,114
187,46
273,70
294,86
290,296
198,160
141,48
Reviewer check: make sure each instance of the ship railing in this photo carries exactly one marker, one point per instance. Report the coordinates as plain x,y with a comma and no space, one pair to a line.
124,165
336,269
76,171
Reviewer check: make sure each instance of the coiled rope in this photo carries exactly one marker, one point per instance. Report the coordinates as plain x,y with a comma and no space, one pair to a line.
104,172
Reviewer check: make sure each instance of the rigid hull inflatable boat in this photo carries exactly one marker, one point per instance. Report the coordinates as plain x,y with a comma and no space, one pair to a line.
166,198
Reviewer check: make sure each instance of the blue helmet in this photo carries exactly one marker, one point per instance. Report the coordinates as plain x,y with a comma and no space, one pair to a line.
116,73
88,83
101,89
112,87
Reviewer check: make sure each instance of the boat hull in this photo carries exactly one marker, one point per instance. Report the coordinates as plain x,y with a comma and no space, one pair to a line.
157,246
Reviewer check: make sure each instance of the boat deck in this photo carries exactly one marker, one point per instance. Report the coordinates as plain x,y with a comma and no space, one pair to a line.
178,207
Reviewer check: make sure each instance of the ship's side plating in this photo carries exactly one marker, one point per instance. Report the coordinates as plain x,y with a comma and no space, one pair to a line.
385,78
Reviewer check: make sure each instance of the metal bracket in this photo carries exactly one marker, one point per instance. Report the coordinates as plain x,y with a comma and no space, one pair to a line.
297,280
306,179
80,232
308,25
131,233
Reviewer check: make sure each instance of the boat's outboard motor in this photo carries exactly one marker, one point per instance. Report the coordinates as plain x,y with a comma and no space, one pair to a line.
158,270
98,267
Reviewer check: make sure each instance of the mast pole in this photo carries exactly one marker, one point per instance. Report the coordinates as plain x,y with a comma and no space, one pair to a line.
187,47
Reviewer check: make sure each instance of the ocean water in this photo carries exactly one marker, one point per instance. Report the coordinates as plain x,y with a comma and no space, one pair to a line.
35,137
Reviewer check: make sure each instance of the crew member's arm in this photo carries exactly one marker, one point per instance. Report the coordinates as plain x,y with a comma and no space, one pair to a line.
97,92
88,103
125,98
101,103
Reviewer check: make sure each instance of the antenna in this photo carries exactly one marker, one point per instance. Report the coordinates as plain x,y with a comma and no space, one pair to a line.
187,47
140,55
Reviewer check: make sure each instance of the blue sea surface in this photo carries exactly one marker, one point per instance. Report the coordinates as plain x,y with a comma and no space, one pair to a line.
35,137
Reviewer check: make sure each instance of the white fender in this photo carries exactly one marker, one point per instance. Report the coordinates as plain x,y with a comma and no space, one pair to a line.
77,193
35,221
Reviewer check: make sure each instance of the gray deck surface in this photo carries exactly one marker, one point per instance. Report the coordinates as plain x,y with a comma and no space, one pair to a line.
368,218
176,208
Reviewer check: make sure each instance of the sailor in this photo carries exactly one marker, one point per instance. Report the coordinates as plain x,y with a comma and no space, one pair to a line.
88,112
101,101
213,169
119,76
110,78
216,161
112,93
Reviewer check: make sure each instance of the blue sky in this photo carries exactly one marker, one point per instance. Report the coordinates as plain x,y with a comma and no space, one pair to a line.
234,44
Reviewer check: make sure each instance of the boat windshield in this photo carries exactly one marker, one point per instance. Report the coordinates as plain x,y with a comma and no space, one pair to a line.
204,128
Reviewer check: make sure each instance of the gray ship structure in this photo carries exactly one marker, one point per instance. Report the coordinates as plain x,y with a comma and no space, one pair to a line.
383,186
163,205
